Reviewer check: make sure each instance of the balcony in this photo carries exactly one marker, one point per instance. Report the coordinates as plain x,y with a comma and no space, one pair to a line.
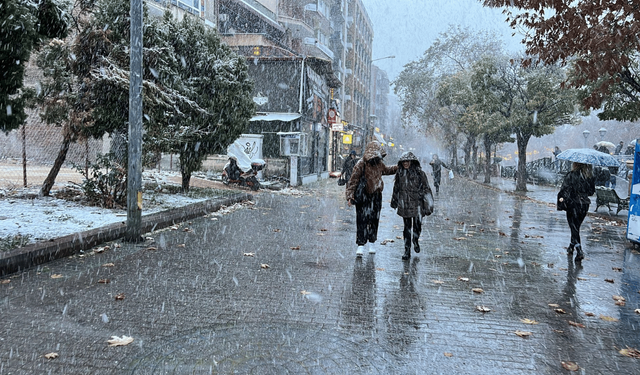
316,46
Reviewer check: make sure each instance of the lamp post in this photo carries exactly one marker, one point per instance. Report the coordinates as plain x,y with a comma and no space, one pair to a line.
586,135
602,132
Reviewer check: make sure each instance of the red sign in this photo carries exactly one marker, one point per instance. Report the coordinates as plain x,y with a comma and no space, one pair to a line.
332,116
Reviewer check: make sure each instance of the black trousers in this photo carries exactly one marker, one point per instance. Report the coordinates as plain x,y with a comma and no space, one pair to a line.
575,217
368,218
411,232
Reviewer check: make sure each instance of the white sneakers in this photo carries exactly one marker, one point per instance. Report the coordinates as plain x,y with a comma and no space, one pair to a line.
372,249
360,251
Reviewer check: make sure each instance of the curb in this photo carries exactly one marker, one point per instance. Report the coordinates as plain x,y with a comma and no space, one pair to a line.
38,253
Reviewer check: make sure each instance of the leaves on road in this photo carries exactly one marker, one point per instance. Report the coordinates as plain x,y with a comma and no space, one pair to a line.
571,366
104,281
630,352
609,280
51,355
554,305
483,309
617,269
108,265
5,281
576,324
304,292
384,242
560,311
522,333
119,297
528,321
152,248
181,245
295,247
447,354
589,314
465,279
477,290
608,318
120,341
637,311
437,281
56,276
264,265
248,254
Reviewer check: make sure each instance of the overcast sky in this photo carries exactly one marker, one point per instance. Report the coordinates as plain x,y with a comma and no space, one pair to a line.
406,28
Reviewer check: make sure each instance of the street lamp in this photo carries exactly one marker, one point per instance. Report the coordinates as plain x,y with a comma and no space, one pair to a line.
586,135
386,57
602,132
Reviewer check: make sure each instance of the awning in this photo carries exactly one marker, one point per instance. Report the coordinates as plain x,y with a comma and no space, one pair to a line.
275,116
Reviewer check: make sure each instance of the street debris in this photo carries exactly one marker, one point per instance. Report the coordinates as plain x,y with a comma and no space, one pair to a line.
51,355
120,341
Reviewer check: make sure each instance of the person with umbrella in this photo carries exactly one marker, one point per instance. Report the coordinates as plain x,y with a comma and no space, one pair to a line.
573,198
576,188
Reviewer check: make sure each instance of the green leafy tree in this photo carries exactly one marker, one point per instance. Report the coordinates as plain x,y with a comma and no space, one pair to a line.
417,85
531,101
24,25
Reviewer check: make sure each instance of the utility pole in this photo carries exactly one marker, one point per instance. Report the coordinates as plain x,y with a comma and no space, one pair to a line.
134,175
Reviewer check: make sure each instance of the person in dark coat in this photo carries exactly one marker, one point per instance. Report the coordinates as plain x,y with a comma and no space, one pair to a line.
410,190
601,176
573,198
368,212
347,167
619,147
437,165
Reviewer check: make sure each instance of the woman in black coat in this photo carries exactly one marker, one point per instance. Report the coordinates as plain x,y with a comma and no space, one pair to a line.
573,198
410,193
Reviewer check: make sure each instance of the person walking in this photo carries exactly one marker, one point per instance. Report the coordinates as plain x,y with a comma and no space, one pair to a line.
437,165
573,198
347,168
411,192
619,147
368,202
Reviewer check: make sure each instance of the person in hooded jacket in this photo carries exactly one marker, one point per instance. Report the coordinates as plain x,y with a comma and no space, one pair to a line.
368,212
410,190
573,198
347,167
437,165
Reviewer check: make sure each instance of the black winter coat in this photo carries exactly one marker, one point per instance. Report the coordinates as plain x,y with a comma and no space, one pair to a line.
409,189
576,189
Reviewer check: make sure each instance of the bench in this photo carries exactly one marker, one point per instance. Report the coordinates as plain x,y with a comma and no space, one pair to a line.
605,196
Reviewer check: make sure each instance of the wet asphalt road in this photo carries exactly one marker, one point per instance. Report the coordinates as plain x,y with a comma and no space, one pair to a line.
201,300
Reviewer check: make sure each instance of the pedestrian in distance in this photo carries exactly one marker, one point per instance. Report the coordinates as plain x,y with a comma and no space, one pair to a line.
619,148
437,165
573,198
347,168
364,190
413,200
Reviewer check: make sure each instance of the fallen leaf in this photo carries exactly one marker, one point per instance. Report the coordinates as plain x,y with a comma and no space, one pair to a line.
459,238
174,228
100,249
117,246
5,281
618,298
477,290
120,341
582,279
104,281
119,297
295,247
304,292
637,311
589,314
398,237
608,318
609,280
324,230
384,242
502,234
187,230
498,256
446,354
249,254
51,355
465,279
437,281
56,276
379,269
557,331
620,303
630,352
108,265
522,333
152,248
617,269
483,309
181,245
576,324
528,321
265,266
560,311
554,305
571,366
277,230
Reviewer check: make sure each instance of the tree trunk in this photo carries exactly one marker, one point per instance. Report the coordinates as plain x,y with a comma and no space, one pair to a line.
57,164
186,178
474,160
487,162
521,181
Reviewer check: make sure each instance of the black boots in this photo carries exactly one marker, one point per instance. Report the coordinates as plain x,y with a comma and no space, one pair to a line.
407,253
579,253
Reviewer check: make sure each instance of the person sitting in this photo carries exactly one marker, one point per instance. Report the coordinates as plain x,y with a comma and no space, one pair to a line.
601,176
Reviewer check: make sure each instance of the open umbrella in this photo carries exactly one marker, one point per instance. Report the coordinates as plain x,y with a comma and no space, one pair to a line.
589,156
605,144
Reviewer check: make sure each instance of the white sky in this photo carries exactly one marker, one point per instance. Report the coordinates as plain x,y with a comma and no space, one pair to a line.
406,28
